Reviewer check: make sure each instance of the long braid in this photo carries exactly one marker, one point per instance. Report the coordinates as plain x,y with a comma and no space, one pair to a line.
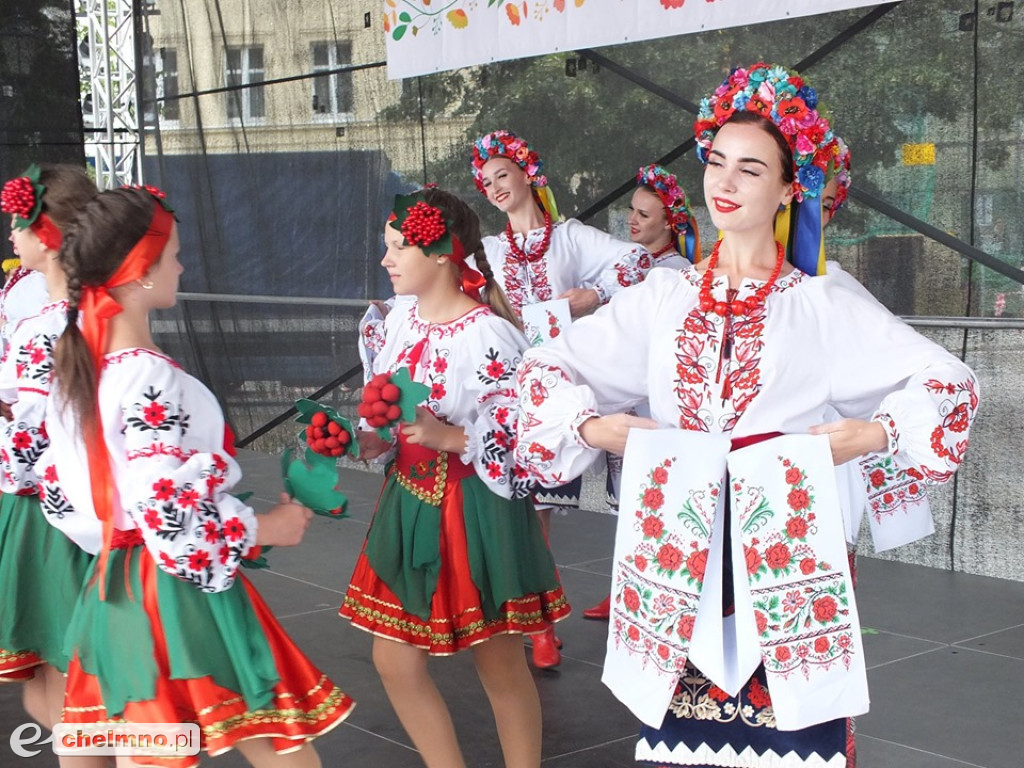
73,370
493,294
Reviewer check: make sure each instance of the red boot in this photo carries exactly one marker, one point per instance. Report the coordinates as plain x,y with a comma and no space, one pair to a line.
600,612
545,649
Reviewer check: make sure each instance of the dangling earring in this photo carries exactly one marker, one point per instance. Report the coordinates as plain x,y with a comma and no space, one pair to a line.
147,284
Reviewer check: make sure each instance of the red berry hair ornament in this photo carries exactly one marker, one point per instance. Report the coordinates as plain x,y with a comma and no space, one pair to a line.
23,199
425,226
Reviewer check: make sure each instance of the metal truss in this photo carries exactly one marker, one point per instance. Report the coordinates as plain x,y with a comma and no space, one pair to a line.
110,105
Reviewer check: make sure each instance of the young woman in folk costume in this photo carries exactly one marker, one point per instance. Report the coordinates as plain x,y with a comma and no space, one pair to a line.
478,574
744,348
40,568
538,258
24,290
662,223
166,630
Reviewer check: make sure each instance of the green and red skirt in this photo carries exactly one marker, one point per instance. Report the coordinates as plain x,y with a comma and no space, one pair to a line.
447,563
41,573
158,650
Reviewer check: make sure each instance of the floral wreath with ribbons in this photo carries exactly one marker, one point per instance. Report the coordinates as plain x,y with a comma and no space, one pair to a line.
506,144
840,171
22,197
425,226
787,100
677,207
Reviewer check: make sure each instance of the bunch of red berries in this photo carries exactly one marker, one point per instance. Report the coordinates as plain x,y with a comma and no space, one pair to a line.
327,437
380,402
18,197
423,225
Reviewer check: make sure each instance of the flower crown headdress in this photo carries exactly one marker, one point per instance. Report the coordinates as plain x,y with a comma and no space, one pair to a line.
426,227
840,171
677,207
506,144
786,100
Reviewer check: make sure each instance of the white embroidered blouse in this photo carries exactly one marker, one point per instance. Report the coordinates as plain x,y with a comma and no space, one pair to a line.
469,365
173,474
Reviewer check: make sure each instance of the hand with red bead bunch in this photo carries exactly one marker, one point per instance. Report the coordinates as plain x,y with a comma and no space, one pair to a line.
424,225
326,436
380,402
18,197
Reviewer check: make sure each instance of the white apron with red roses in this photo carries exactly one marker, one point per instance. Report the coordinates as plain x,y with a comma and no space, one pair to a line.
794,608
817,344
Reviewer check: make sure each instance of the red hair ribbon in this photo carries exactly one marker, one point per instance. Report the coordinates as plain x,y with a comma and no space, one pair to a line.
96,308
472,281
47,232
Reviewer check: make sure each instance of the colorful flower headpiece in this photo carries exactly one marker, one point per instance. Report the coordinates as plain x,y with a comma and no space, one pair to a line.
23,198
677,208
669,192
786,100
506,144
425,226
840,171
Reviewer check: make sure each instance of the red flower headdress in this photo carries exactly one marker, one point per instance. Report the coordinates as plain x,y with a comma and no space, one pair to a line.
785,99
425,226
23,199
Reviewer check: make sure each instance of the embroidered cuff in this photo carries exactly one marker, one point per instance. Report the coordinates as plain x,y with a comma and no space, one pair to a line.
602,293
891,433
575,424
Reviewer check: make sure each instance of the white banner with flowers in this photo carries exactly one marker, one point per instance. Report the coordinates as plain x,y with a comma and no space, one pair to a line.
789,539
671,498
792,597
426,36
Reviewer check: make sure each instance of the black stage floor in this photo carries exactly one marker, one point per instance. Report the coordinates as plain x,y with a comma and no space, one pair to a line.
945,656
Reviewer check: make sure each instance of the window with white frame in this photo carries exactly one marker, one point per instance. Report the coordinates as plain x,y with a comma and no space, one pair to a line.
244,67
332,91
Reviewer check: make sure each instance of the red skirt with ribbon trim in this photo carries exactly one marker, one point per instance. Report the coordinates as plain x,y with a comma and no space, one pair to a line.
448,563
298,702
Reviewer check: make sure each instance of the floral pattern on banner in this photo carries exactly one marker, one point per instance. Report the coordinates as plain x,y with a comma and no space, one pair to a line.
802,615
653,619
417,16
890,488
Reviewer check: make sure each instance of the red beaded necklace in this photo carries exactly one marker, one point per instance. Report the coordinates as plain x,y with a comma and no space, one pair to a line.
736,307
662,251
535,254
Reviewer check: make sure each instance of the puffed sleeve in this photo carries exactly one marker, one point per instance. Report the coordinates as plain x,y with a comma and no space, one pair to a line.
599,366
924,397
177,487
606,264
488,359
373,332
25,383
